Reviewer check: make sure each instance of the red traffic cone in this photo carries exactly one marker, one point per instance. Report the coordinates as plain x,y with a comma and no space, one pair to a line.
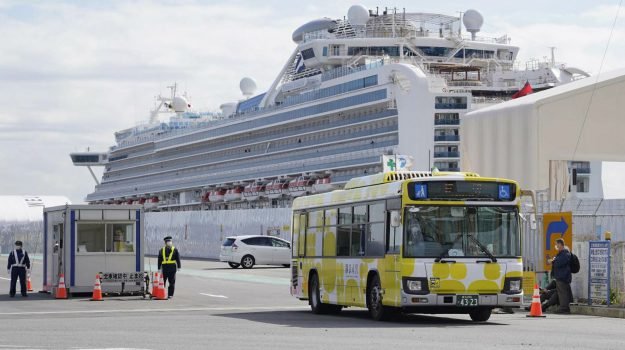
97,289
536,308
29,285
61,291
161,288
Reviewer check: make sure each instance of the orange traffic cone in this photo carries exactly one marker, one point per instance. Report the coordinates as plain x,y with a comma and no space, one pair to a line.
97,289
154,285
161,289
536,308
29,286
61,291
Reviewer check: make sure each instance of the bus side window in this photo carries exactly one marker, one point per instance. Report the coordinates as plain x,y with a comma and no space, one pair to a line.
393,236
302,234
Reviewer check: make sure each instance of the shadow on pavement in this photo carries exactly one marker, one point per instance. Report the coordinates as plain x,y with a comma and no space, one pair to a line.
240,269
32,296
351,319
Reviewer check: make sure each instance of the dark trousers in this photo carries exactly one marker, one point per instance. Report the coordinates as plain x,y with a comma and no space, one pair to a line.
169,275
565,294
15,273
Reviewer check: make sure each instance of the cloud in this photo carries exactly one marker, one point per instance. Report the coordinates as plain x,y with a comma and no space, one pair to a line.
72,73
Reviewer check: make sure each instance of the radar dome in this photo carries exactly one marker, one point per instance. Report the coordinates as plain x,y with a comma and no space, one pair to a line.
473,21
179,104
358,15
248,86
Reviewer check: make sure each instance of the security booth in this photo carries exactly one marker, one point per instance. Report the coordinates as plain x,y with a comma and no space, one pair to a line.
80,241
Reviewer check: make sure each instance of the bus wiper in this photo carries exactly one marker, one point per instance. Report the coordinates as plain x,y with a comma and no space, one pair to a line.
484,249
446,251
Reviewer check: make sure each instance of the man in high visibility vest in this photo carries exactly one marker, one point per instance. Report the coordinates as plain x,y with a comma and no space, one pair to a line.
169,263
16,267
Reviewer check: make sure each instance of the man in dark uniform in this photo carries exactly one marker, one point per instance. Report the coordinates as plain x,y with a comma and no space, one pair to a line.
169,263
561,266
16,267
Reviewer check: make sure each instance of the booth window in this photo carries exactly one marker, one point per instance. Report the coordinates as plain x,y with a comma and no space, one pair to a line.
120,238
110,238
90,238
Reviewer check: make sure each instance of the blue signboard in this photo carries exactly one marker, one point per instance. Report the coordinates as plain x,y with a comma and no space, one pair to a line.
504,191
599,272
420,191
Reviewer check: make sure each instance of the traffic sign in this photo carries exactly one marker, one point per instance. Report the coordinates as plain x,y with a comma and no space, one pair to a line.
556,225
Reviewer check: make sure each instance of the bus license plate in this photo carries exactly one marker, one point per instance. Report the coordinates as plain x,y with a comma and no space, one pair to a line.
466,300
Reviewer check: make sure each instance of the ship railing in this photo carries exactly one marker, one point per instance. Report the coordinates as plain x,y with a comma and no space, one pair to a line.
246,174
252,160
269,138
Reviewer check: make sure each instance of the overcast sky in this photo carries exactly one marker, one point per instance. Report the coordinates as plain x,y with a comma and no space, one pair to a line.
74,72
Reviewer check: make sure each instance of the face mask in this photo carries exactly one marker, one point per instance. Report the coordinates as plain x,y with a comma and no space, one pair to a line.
169,244
18,247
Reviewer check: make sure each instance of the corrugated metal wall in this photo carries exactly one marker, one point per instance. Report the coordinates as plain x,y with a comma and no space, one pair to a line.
200,234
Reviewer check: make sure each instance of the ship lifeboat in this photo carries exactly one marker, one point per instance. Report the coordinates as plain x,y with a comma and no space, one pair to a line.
205,197
142,200
151,203
129,201
254,191
300,186
323,184
277,188
234,194
216,195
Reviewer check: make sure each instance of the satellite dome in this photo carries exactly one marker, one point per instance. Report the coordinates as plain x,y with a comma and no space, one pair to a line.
473,21
179,104
248,86
358,15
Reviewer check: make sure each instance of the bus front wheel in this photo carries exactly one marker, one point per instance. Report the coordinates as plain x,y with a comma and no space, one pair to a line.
377,310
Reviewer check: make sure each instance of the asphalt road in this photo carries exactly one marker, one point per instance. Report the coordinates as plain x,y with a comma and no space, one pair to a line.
216,307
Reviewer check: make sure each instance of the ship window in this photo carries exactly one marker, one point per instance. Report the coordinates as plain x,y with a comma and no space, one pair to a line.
325,50
308,53
434,51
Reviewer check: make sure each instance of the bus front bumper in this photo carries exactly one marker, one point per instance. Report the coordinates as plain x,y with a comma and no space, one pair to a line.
453,300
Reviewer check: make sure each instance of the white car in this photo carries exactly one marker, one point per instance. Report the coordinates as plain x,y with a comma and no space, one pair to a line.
247,251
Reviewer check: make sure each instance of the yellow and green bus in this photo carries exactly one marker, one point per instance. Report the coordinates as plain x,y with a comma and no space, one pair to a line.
413,242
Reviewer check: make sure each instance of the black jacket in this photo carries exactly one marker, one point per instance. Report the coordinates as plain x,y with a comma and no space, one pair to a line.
175,257
20,253
562,266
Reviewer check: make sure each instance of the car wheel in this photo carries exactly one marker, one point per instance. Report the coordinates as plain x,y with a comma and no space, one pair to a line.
480,315
247,262
234,265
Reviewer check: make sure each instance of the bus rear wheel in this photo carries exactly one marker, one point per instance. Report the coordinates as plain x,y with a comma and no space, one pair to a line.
480,315
314,297
377,310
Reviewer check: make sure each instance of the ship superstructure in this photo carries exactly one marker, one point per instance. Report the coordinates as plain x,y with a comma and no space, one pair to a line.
378,83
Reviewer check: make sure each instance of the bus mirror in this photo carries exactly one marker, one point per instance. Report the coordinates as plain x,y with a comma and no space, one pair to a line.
395,218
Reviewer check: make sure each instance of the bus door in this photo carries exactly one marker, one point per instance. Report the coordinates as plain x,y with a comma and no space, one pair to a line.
391,281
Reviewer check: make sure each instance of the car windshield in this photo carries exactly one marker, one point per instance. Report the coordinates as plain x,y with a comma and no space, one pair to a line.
448,231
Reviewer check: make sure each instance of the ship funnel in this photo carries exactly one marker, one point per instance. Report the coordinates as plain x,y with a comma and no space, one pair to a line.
473,21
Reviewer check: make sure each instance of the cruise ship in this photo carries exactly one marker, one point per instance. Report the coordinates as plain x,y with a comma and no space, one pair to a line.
356,96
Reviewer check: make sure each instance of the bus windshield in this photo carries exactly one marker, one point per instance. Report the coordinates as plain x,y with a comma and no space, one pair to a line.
455,231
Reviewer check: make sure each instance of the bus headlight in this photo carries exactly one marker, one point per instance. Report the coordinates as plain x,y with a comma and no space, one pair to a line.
515,285
415,285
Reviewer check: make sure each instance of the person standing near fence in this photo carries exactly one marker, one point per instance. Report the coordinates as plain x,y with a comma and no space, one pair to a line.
17,266
561,266
169,263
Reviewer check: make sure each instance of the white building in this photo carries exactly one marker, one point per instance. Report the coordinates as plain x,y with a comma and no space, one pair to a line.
538,139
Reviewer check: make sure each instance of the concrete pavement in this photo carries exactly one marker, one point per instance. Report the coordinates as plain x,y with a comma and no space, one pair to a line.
216,307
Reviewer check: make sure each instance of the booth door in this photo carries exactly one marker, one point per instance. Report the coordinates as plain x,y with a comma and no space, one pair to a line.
57,253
